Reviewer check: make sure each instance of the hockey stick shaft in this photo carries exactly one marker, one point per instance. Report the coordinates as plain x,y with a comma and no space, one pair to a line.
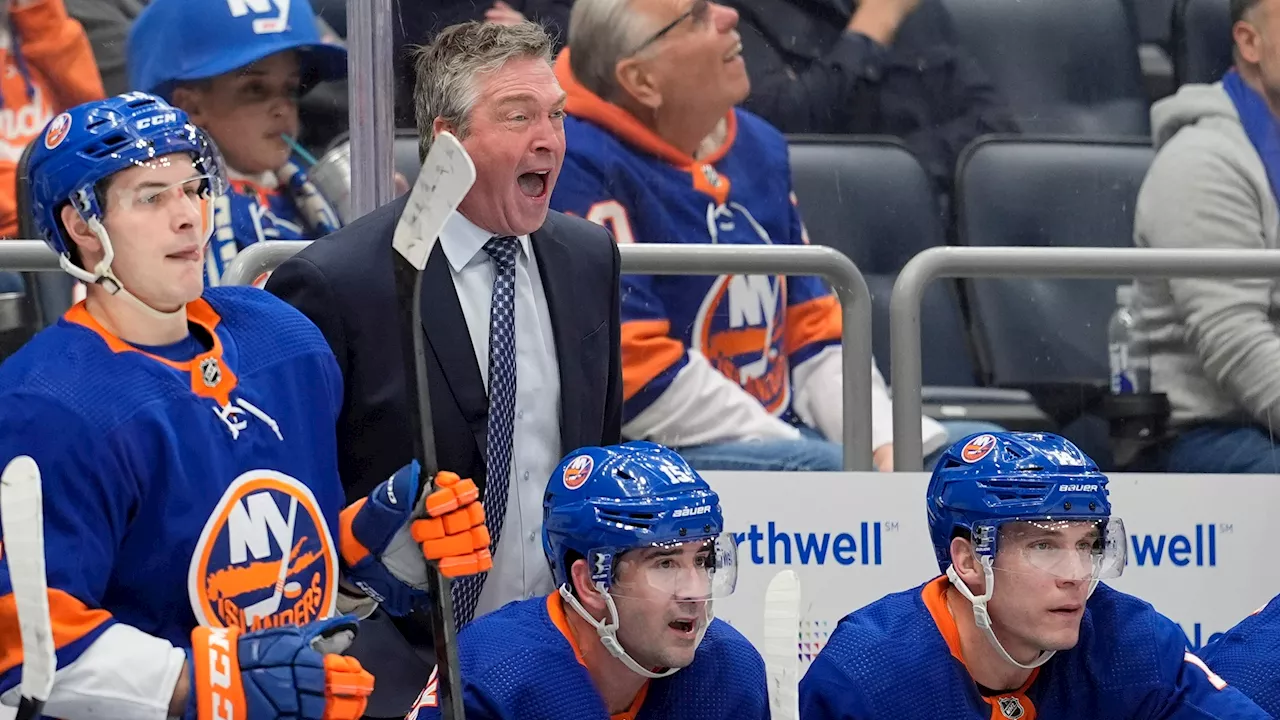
446,176
22,517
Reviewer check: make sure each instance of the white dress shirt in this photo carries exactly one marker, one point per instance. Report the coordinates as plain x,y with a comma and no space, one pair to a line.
519,565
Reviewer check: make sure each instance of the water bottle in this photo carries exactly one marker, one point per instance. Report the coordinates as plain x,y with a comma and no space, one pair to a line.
1130,363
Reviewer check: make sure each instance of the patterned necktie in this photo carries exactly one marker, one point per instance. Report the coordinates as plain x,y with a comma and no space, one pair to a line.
502,410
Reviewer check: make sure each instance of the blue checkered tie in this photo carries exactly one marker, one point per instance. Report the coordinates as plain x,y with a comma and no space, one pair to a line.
502,410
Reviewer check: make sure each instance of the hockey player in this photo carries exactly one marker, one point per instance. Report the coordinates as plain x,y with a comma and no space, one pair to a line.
633,536
1248,655
1018,625
194,525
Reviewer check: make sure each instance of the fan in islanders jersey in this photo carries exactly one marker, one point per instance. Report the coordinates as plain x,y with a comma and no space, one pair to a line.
1248,657
1018,626
193,515
636,543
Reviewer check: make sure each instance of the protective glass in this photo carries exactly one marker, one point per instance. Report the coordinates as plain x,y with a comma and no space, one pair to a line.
1067,549
690,571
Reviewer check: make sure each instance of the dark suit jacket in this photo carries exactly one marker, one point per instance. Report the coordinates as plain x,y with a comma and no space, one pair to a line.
344,283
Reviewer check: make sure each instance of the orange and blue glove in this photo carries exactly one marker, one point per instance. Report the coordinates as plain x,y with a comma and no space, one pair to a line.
389,541
293,672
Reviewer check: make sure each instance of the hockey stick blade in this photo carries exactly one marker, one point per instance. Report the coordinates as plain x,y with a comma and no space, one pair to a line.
22,519
781,650
445,179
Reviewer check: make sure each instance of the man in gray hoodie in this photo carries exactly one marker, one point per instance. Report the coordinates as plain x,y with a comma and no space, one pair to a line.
1215,343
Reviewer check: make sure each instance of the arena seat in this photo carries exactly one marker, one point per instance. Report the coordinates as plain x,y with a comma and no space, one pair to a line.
1202,41
1064,68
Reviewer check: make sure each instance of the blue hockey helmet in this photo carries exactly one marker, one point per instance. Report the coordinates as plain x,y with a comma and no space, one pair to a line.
173,41
987,480
91,142
604,501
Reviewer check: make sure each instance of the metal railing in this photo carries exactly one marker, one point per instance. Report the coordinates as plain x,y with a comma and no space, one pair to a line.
673,259
1027,262
27,256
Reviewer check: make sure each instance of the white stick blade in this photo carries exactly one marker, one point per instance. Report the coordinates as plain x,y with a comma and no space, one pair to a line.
781,645
445,179
22,520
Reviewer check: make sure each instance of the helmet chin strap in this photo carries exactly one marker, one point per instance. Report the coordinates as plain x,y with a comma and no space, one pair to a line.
103,274
983,619
608,631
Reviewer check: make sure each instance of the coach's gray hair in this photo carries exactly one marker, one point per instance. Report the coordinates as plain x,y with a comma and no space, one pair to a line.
446,70
601,33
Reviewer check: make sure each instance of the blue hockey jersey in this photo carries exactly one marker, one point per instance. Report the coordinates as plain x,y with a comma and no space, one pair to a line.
1248,657
251,212
521,663
900,656
753,329
178,494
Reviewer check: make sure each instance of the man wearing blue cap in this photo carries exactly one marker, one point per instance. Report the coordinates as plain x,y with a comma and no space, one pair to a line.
238,67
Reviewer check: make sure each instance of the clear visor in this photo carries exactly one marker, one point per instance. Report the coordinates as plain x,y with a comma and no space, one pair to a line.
171,189
1067,549
691,571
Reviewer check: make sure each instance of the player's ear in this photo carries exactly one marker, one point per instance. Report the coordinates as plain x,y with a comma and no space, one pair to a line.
967,565
591,599
78,232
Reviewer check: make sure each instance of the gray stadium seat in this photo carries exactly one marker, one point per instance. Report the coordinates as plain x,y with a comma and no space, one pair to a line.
869,198
1201,40
1065,67
1048,336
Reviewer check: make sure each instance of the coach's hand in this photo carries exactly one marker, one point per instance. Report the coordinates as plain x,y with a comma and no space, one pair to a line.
285,673
454,535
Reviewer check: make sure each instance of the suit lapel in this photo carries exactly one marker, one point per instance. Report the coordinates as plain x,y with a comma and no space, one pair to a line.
450,340
555,261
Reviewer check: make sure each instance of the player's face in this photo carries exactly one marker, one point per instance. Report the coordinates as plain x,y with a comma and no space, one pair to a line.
1042,579
155,218
247,112
697,62
516,140
661,594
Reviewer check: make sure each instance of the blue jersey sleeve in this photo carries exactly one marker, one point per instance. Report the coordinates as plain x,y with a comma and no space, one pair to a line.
652,354
827,693
1247,656
88,502
1195,691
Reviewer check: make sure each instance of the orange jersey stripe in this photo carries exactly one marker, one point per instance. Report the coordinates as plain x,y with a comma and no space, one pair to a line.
555,609
811,321
647,350
70,618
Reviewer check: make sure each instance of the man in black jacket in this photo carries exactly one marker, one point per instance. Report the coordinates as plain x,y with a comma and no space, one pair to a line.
884,67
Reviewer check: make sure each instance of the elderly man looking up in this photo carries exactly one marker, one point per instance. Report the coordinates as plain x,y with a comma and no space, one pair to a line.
737,372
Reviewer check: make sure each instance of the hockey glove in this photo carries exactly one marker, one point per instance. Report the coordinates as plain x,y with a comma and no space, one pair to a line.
386,544
288,672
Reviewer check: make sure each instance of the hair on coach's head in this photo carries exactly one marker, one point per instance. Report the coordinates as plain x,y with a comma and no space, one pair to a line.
602,33
446,70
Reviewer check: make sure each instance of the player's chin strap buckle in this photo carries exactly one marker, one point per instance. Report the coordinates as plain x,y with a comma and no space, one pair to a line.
982,618
608,631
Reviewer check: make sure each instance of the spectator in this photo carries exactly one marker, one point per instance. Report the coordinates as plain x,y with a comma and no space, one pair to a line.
418,21
107,22
48,67
521,326
736,372
238,74
1215,343
889,67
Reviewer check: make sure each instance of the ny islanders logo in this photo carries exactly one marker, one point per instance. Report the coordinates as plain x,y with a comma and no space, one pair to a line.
57,131
265,557
977,448
577,472
739,329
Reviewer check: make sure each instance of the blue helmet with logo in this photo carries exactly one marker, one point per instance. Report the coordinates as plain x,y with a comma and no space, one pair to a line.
990,479
173,41
603,501
90,142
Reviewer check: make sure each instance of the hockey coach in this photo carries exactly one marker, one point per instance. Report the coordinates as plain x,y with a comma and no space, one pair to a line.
520,311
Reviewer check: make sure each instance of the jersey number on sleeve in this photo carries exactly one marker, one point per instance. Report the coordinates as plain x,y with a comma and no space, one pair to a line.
613,216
